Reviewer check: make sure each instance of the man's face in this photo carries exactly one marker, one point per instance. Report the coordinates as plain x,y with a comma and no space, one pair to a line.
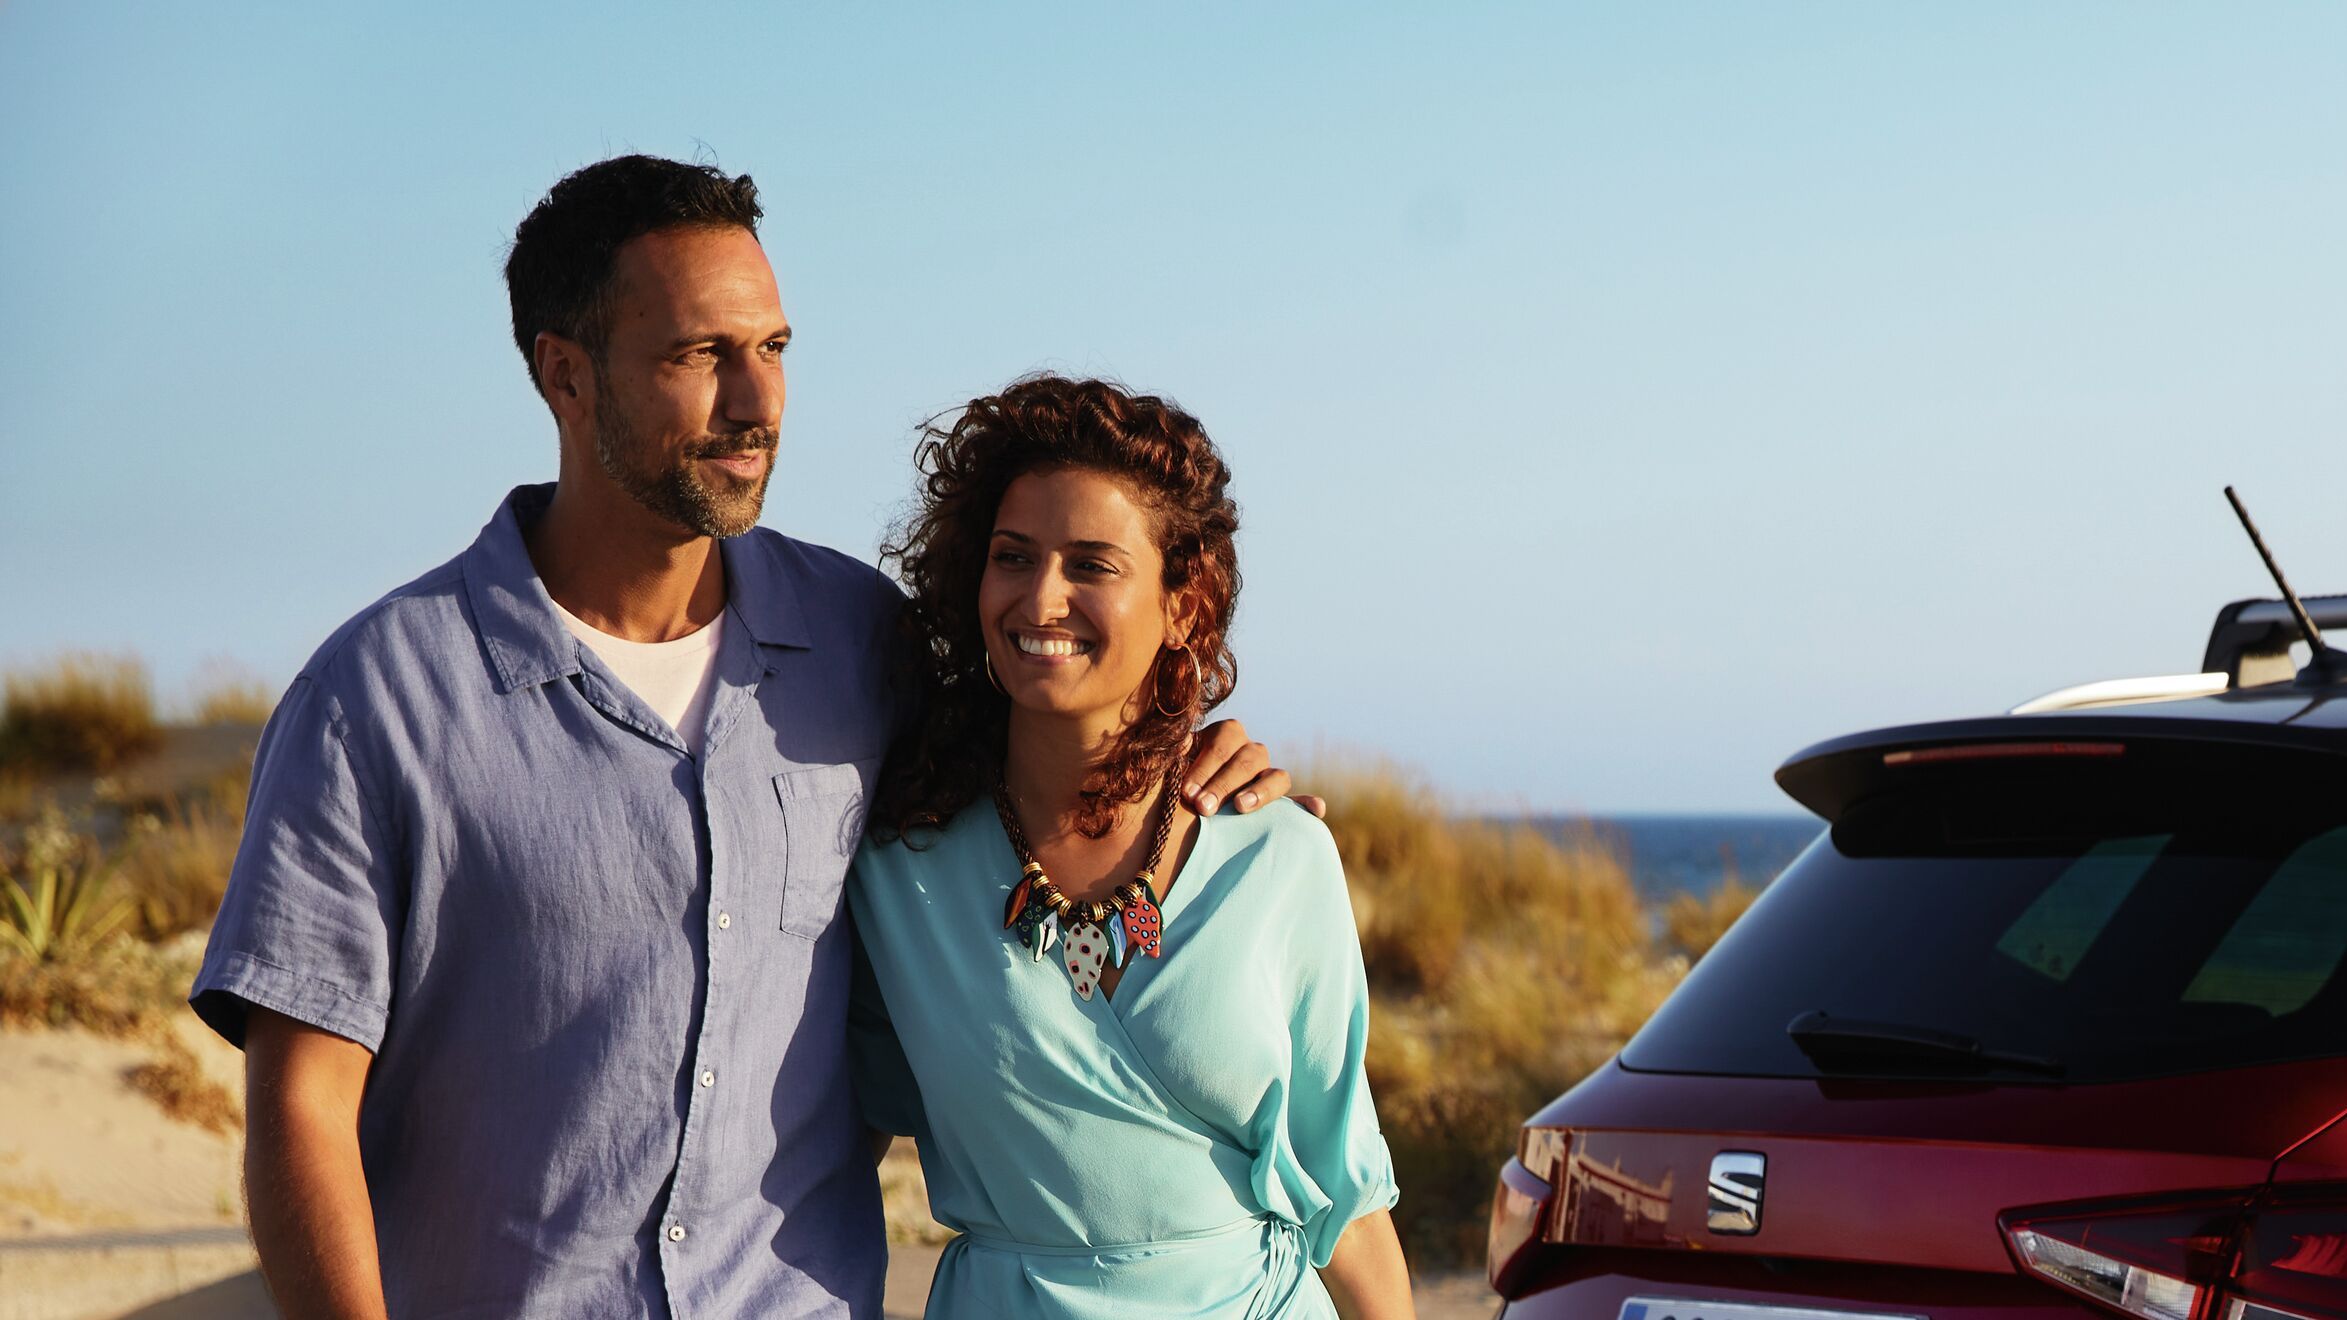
689,389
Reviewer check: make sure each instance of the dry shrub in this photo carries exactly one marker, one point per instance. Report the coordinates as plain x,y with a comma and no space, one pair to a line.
1691,925
175,870
22,794
78,713
178,1086
130,991
1503,967
119,988
226,693
60,970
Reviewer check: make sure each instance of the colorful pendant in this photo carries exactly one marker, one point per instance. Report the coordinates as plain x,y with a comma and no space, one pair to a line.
1030,921
1144,926
1046,935
1085,951
1019,895
1116,942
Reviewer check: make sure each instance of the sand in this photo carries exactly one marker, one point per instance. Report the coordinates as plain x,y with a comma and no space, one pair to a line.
106,1205
81,1151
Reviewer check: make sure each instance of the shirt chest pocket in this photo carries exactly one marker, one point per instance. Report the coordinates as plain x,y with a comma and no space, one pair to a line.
822,821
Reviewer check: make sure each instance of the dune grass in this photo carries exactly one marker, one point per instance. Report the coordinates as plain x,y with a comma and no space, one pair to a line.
227,693
176,1082
176,863
81,712
68,958
1692,924
1503,964
1503,967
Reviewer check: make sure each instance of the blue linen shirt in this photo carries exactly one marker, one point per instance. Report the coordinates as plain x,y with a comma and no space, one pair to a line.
605,983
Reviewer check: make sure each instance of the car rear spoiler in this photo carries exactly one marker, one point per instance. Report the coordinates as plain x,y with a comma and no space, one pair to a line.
2251,640
1834,775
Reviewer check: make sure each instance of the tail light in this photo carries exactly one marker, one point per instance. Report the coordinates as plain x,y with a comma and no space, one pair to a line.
2280,1256
2294,1257
1520,1205
2159,1263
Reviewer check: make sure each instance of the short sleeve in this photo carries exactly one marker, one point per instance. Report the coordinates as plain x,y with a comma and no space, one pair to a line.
1342,1168
314,900
885,1089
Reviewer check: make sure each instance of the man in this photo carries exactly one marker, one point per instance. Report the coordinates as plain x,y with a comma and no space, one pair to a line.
532,942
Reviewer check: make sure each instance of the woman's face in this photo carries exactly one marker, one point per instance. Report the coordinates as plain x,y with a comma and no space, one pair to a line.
1072,603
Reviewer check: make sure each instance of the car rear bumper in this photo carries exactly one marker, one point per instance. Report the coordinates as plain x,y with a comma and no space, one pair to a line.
1595,1286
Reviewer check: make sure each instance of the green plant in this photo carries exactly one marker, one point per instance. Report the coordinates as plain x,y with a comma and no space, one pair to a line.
80,712
55,887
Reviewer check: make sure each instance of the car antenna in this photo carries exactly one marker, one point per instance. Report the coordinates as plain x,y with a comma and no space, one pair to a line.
2328,664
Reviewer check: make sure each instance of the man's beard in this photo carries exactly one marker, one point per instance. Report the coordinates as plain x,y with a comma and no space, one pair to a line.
726,507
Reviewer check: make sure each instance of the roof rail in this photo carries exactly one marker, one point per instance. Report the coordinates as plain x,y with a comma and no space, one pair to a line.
2250,642
2126,692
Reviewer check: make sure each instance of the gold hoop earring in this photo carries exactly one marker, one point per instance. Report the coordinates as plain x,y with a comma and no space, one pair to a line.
1197,685
990,674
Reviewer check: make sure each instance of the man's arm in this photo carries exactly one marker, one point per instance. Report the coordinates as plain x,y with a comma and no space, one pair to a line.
305,1189
1225,761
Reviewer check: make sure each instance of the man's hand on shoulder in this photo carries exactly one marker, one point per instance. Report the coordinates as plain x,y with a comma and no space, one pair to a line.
1228,765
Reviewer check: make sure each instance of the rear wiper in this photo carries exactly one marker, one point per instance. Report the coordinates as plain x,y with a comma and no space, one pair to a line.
1856,1045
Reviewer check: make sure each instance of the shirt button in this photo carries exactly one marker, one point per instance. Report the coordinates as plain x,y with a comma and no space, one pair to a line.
724,919
676,1232
708,1078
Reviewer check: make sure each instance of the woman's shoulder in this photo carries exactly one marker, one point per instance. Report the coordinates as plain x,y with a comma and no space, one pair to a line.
1282,824
1289,839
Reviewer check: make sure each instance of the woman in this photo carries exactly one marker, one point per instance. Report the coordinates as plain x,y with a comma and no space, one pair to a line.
1137,1035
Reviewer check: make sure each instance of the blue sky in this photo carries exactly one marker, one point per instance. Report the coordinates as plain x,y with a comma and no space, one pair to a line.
1621,396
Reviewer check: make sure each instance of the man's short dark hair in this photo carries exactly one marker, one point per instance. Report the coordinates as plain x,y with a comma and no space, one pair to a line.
559,273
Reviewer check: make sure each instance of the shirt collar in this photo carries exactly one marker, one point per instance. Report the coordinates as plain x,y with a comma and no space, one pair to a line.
527,642
763,589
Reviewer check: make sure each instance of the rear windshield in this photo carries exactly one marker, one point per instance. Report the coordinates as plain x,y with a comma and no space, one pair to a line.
2128,932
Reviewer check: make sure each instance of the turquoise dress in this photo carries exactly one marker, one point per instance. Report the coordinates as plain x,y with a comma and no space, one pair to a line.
1193,1147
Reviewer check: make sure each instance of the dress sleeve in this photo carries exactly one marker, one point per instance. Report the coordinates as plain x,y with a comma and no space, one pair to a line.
315,896
885,1089
1342,1168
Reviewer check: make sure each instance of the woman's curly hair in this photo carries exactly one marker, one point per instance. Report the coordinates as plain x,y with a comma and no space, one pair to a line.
950,749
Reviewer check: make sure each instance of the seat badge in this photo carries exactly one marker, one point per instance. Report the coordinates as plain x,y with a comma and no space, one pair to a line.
1738,1177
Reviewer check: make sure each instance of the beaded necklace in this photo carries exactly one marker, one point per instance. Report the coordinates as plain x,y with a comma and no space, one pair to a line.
1089,934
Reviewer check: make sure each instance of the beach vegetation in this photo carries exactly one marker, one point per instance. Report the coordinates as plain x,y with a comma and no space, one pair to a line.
179,852
57,898
82,712
69,959
178,1085
225,693
1504,965
1692,923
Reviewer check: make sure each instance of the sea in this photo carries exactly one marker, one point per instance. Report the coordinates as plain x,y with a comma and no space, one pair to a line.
1674,854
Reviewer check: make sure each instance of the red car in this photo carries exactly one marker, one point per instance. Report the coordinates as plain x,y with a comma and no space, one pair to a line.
2051,1023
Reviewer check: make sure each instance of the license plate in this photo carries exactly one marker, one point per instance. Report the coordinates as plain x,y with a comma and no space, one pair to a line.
1688,1308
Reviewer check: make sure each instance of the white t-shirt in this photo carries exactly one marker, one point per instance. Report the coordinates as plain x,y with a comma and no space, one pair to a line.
674,678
